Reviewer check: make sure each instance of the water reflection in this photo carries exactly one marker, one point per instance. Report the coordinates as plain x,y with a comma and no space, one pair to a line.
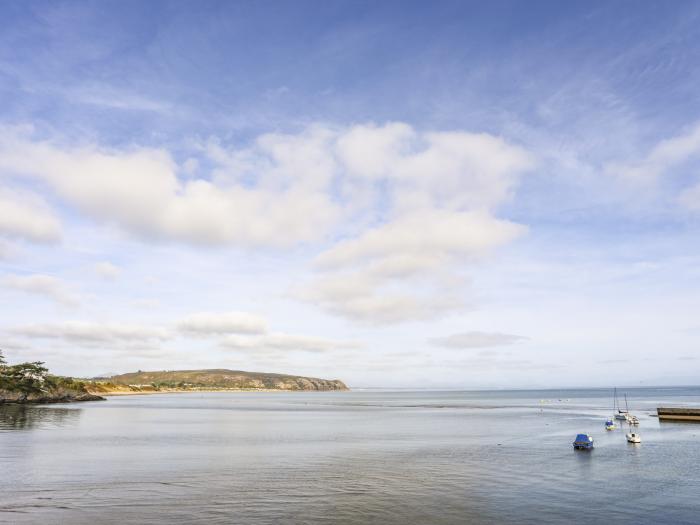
20,417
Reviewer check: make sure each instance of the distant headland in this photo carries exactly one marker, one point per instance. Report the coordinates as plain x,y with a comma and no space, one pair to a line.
32,383
207,380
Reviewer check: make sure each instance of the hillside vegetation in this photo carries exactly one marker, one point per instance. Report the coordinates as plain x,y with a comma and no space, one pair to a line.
215,379
32,383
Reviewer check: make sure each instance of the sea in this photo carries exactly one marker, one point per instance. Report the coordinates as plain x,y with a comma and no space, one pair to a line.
358,457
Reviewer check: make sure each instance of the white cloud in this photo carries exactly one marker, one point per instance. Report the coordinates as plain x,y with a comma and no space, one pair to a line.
424,237
378,307
443,188
476,340
410,205
146,303
371,152
107,270
138,190
211,323
45,285
286,342
14,345
26,216
665,155
282,190
91,333
361,276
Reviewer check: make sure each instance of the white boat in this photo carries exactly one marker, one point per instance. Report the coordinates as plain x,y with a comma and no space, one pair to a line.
633,437
632,420
620,415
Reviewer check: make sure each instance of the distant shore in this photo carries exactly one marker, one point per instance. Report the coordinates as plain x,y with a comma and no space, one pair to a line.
50,397
117,393
208,380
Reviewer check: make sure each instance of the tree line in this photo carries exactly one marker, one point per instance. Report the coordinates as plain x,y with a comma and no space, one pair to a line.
26,378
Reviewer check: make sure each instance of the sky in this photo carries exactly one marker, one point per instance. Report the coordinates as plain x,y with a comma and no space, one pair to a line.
396,194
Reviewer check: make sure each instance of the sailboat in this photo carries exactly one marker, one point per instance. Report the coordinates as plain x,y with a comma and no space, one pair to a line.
621,414
632,420
632,437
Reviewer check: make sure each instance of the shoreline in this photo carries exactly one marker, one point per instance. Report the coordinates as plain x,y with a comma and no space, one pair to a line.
118,393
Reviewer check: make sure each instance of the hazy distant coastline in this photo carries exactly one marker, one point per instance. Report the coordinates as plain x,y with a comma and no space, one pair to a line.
210,380
32,383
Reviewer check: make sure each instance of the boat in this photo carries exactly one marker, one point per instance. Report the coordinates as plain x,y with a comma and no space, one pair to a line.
633,437
621,415
583,442
632,420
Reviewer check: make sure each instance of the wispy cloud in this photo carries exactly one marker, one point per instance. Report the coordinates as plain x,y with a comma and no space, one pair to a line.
93,333
26,216
286,342
107,270
468,340
665,155
222,323
44,285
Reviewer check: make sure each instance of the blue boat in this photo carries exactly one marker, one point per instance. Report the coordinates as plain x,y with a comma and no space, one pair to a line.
583,442
609,425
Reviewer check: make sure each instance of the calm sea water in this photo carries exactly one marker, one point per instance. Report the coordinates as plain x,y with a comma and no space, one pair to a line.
348,458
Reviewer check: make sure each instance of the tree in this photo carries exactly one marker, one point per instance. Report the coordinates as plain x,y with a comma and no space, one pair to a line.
4,379
27,378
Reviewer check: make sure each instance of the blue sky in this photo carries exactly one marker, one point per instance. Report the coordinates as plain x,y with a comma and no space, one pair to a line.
444,194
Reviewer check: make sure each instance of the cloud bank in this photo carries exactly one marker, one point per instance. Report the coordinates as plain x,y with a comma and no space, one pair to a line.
476,340
44,285
401,211
213,323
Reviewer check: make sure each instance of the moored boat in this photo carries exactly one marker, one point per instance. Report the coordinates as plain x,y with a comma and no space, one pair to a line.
633,437
583,442
632,420
621,415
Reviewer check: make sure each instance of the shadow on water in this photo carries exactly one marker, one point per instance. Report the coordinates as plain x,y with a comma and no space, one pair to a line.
584,458
24,417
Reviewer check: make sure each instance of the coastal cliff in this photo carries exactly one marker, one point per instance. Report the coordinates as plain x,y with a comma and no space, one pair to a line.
60,395
214,379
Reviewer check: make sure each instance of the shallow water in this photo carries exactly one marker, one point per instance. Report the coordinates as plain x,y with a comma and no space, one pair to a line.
350,458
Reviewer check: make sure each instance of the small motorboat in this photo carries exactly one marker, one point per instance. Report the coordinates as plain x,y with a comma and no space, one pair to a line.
583,442
633,420
633,437
609,425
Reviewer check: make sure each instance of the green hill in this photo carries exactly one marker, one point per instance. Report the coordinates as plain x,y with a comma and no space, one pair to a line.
216,379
